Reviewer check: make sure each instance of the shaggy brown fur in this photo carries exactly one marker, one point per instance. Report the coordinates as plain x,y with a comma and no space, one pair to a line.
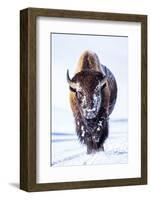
88,73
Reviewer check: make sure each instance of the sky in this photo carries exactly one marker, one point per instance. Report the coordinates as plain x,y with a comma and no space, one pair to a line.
65,52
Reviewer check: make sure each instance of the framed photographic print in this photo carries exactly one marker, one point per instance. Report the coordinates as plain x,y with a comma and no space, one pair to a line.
83,99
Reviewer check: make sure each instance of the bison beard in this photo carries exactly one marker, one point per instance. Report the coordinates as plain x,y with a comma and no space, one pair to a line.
93,134
93,93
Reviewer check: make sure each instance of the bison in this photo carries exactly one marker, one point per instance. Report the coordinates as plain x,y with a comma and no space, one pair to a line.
93,93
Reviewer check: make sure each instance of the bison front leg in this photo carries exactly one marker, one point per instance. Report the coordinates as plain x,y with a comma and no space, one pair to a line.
98,147
103,135
89,144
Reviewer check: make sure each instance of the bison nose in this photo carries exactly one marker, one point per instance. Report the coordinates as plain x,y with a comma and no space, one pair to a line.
89,114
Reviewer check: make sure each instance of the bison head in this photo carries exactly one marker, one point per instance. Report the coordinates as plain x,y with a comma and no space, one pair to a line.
88,88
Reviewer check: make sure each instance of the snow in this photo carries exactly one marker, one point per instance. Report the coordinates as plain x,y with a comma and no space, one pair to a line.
68,151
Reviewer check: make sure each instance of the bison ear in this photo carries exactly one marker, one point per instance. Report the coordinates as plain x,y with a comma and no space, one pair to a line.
103,82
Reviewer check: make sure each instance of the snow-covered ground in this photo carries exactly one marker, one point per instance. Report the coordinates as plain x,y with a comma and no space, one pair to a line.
67,150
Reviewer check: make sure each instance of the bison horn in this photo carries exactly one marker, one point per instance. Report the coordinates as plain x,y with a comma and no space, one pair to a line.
72,84
102,82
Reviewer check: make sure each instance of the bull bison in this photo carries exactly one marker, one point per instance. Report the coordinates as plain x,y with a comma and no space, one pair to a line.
93,93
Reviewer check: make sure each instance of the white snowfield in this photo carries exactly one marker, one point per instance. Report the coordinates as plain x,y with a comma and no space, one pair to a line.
68,151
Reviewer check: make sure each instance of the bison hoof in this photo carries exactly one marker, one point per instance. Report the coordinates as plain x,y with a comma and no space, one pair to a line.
89,151
102,148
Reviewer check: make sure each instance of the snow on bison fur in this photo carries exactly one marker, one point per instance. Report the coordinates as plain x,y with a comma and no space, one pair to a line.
93,93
